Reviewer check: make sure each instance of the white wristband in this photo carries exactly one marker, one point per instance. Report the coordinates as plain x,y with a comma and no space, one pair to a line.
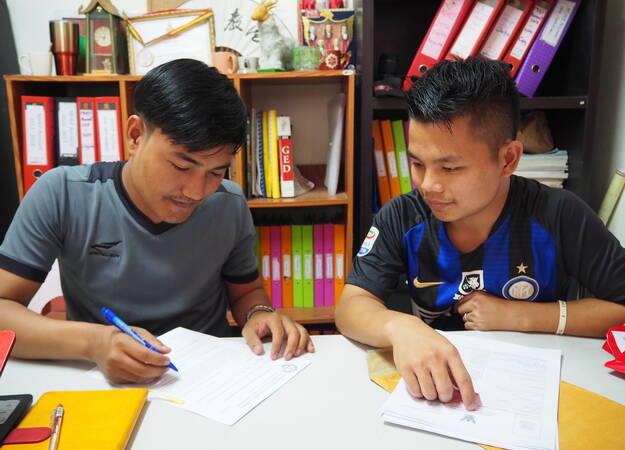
562,320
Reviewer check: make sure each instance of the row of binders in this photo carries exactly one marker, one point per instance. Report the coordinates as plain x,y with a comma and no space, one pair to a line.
68,131
524,33
270,156
391,158
302,266
392,168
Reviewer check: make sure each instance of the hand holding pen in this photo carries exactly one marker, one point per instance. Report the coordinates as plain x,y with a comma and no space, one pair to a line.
112,319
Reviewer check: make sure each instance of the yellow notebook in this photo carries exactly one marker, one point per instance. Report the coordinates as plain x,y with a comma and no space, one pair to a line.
100,420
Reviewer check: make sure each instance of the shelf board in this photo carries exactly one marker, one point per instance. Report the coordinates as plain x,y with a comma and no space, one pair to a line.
316,74
317,197
389,104
313,76
73,78
304,316
567,102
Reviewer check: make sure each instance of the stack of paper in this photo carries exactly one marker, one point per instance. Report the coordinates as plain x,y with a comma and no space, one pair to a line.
518,388
548,168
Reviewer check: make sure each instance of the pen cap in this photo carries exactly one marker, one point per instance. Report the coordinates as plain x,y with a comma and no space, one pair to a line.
108,314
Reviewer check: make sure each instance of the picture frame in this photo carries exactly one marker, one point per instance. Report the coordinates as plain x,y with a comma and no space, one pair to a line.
157,38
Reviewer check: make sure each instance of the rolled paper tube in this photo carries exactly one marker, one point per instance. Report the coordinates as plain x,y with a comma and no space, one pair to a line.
612,196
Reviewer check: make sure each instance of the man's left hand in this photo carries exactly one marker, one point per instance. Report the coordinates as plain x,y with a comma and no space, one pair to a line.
483,311
281,328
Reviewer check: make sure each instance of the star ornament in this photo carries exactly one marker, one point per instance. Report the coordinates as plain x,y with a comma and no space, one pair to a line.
521,268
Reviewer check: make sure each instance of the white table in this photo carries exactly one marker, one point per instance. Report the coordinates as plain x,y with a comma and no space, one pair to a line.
330,405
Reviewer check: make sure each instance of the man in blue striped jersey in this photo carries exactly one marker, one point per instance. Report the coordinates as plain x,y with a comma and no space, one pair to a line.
480,248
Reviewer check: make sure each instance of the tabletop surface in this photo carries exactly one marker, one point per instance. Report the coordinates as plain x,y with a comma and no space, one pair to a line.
331,404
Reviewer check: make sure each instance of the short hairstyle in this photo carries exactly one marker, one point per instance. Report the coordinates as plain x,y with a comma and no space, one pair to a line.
478,88
192,104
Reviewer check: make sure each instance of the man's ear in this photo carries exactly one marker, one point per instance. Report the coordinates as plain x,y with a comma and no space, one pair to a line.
136,133
509,156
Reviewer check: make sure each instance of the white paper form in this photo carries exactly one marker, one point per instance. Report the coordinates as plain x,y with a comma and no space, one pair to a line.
218,378
505,25
67,117
35,125
471,30
518,388
441,28
108,134
530,28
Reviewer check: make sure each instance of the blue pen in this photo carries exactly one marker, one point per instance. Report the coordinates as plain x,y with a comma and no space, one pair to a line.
112,319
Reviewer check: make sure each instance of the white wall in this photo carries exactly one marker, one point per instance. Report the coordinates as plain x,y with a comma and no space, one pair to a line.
609,151
29,18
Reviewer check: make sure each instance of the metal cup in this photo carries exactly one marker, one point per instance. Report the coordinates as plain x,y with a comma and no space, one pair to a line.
64,36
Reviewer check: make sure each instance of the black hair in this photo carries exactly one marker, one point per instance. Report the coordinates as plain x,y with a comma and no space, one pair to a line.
478,88
192,104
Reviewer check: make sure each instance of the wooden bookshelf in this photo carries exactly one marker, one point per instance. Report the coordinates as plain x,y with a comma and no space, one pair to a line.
303,85
317,197
286,92
320,315
396,104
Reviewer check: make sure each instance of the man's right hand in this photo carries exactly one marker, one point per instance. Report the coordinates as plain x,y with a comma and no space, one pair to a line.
428,362
124,360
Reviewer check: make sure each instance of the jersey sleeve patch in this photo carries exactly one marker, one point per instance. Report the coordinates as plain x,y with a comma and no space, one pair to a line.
367,244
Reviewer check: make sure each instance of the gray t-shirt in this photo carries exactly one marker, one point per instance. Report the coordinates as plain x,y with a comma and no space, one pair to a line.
156,276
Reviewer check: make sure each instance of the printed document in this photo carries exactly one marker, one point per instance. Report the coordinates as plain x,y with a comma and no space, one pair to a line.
518,388
220,379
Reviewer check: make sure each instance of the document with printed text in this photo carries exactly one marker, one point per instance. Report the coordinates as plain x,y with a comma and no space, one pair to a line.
220,379
518,388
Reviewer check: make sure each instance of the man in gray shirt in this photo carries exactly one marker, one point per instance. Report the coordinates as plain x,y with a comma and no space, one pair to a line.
162,239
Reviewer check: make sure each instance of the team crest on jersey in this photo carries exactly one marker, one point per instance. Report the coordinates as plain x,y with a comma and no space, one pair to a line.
367,244
471,281
521,288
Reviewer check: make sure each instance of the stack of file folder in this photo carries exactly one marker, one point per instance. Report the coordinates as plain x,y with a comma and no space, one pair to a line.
526,34
549,168
302,266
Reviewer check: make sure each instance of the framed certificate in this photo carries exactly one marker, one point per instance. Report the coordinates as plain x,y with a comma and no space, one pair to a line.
154,39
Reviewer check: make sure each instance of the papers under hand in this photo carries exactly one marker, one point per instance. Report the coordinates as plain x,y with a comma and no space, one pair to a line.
518,389
220,379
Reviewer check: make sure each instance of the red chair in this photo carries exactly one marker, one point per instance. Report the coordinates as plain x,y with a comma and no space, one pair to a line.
55,308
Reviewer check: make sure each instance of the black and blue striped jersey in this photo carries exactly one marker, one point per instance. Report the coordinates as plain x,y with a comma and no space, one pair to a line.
543,239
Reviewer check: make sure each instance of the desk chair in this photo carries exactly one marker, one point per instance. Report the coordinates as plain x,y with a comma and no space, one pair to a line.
55,308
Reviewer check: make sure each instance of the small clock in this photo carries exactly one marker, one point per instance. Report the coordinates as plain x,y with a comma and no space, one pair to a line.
102,36
106,50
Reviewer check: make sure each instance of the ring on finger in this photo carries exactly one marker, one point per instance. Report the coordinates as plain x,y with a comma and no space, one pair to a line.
465,317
